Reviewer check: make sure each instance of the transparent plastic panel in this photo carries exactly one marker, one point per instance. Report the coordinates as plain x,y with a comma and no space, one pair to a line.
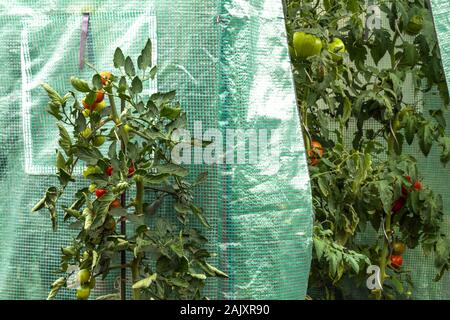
228,61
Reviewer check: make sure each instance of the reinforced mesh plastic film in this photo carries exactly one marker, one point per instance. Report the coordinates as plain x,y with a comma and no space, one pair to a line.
436,176
432,172
228,61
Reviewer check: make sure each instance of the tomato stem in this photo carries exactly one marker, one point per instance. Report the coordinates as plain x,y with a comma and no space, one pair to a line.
138,203
385,251
135,277
123,228
113,109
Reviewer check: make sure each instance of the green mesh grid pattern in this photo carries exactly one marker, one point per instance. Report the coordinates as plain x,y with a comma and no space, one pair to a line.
436,176
229,62
432,172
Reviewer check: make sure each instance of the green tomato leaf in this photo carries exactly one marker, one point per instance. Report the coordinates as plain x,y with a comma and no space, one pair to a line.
145,283
119,58
319,247
410,128
156,179
172,169
170,112
198,212
153,72
161,98
123,86
58,284
89,155
444,142
202,177
147,55
97,81
216,271
380,45
64,138
79,84
425,138
200,276
136,85
52,94
129,67
177,248
111,296
140,63
60,161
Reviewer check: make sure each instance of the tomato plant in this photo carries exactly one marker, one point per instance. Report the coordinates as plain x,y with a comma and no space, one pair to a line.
168,258
351,99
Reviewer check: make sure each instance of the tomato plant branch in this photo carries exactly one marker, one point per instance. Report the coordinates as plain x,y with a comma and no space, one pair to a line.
139,200
114,115
135,276
385,249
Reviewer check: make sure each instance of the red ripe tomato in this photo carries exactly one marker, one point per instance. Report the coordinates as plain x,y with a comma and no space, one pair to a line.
115,204
100,192
409,179
131,171
87,106
105,75
396,261
315,152
100,96
398,204
404,191
418,185
109,170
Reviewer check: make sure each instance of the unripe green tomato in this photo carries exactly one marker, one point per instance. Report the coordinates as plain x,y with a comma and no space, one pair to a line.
306,45
69,251
86,132
92,187
85,255
91,170
83,292
127,128
83,276
398,248
336,49
414,25
100,106
99,140
86,113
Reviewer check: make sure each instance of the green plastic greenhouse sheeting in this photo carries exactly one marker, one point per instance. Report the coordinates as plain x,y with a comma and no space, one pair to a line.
441,15
229,62
436,176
